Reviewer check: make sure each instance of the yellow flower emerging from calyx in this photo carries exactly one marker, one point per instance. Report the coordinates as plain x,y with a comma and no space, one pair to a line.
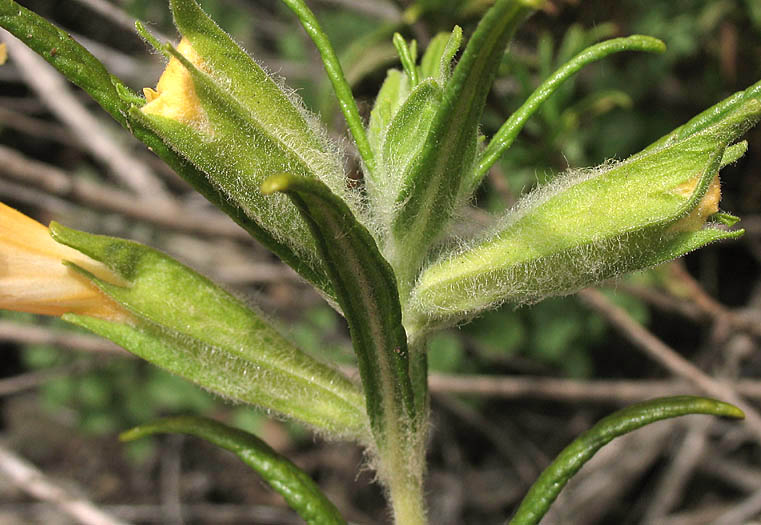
175,95
34,279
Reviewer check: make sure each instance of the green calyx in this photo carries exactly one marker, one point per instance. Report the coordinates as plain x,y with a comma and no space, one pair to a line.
184,323
588,226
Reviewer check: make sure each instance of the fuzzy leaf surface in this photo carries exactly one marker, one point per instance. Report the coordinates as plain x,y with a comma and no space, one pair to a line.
191,327
366,291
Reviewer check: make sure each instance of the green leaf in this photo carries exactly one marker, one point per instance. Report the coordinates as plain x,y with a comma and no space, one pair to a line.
585,227
432,190
367,293
187,325
408,57
544,491
338,80
301,493
509,131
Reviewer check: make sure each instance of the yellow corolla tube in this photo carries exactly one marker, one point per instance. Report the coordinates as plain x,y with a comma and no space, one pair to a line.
34,278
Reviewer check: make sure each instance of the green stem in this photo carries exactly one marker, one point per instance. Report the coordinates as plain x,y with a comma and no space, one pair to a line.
337,79
510,129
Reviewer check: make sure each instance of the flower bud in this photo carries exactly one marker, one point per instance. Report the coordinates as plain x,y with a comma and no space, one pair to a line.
220,111
590,225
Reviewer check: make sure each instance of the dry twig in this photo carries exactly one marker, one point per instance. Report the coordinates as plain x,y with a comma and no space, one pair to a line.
29,479
669,358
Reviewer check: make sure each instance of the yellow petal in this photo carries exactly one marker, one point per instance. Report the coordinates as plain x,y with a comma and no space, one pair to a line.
707,206
34,279
175,95
3,53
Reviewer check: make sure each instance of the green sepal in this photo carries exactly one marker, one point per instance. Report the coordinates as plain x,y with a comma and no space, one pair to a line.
585,227
393,93
431,191
504,138
725,219
300,492
237,154
366,291
402,142
437,59
544,491
734,153
186,324
249,85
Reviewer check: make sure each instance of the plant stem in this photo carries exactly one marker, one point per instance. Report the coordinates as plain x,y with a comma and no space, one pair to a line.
406,458
408,501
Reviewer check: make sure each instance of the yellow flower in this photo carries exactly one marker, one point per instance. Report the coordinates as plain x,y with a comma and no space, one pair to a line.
34,279
175,95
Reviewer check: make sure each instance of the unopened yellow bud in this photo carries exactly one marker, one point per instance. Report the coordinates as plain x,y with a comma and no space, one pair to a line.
707,206
175,95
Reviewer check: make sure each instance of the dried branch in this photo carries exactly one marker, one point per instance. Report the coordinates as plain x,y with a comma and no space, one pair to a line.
99,196
41,335
91,132
669,358
570,390
29,479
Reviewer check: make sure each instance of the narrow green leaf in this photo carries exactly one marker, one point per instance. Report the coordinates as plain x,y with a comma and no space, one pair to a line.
431,191
366,291
506,135
543,493
191,327
407,57
299,490
365,56
335,74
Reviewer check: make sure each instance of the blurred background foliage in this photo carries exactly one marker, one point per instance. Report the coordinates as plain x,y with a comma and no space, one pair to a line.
610,110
